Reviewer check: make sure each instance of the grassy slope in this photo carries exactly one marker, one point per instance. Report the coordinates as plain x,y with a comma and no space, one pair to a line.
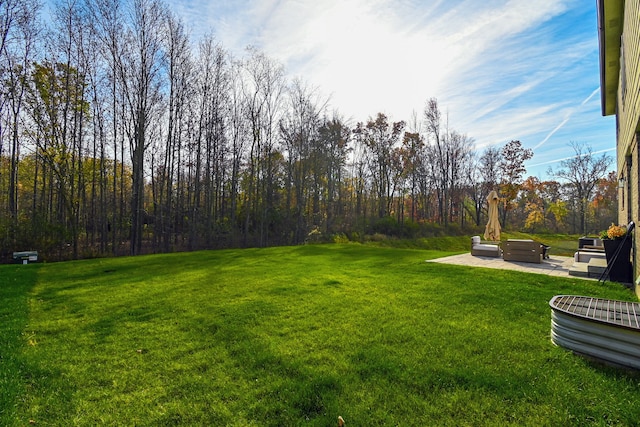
299,335
561,244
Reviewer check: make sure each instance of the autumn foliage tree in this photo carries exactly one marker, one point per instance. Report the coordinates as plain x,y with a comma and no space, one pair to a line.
534,204
512,169
604,202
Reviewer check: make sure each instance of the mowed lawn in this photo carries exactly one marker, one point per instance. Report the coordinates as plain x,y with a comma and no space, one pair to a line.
296,336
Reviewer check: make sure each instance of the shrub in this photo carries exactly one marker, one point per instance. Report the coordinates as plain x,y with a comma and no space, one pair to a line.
340,238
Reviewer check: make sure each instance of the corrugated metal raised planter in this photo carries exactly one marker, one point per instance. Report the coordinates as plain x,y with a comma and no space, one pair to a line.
607,330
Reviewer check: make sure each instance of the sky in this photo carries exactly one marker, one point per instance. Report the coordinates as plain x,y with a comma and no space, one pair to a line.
500,69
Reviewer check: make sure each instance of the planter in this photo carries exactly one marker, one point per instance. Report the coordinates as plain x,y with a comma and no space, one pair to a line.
605,329
620,269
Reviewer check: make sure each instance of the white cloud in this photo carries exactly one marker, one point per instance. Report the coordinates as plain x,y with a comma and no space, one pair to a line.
502,69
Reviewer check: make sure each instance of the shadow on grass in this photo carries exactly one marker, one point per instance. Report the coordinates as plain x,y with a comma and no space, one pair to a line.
22,377
17,282
285,388
293,336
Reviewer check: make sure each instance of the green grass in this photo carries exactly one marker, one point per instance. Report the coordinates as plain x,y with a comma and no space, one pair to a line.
296,336
15,285
561,244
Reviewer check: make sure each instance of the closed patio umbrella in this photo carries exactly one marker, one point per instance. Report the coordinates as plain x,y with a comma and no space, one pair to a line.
492,230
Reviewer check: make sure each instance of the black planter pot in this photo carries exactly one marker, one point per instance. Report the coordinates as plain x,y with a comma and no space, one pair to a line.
620,269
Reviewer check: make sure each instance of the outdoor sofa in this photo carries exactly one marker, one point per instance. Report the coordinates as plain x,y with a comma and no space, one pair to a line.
480,248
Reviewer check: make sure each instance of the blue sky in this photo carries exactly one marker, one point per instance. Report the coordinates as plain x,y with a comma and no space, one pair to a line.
500,69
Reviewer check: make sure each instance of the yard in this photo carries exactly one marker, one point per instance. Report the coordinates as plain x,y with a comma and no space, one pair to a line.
296,336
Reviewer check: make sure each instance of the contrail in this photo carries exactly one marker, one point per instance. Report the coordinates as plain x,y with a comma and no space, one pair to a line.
590,96
556,129
566,119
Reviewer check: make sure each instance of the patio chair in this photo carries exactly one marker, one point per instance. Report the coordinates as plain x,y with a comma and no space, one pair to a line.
480,248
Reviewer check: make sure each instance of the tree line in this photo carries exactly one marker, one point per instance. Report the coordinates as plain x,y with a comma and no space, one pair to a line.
119,135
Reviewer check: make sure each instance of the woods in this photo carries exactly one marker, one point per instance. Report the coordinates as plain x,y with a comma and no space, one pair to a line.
120,135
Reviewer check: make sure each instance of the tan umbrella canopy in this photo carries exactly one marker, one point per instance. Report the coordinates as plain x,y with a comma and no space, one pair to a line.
492,230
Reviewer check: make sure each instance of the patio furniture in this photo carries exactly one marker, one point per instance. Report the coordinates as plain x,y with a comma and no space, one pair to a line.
589,259
586,256
590,249
588,243
523,251
480,248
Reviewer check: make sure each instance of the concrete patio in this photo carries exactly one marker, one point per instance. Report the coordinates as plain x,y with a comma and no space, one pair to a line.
554,266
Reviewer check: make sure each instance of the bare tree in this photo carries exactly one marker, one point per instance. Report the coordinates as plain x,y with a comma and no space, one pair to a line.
181,88
140,77
238,135
359,182
299,132
482,177
263,89
213,94
334,138
107,20
582,172
436,136
380,137
18,34
412,154
474,189
459,149
450,151
488,167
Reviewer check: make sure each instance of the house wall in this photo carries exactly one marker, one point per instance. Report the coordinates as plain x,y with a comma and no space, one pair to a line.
628,127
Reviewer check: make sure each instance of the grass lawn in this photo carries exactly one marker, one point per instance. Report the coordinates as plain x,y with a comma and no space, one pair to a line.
561,244
296,336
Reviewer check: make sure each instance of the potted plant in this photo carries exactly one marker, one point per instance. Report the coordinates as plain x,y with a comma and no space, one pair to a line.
617,249
614,232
